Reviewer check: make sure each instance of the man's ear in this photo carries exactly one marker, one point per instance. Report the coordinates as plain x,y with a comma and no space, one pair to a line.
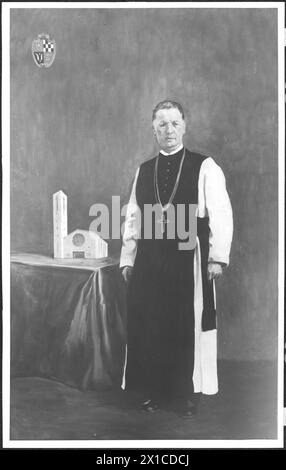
184,126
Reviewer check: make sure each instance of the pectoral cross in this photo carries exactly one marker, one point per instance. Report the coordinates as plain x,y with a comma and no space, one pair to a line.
163,221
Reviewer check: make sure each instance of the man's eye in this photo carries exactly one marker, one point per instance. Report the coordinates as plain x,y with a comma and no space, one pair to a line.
162,124
175,123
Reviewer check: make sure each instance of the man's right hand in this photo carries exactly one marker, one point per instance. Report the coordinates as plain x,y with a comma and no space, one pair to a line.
126,273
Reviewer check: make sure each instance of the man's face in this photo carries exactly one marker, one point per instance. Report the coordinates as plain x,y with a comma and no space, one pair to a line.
169,128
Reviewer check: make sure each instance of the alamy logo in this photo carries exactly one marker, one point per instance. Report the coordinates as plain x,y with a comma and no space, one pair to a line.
177,222
44,50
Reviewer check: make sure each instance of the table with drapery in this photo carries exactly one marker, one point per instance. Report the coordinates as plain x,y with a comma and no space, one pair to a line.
68,320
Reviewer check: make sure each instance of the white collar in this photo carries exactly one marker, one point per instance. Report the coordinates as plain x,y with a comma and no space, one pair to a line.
172,153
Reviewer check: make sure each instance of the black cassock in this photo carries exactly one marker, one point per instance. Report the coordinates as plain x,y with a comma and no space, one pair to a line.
160,300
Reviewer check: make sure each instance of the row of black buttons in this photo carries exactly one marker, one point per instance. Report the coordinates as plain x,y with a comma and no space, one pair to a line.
166,177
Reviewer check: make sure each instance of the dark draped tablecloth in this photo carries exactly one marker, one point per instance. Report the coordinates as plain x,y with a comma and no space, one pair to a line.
68,320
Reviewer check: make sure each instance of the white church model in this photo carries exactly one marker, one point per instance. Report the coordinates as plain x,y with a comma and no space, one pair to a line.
60,219
77,244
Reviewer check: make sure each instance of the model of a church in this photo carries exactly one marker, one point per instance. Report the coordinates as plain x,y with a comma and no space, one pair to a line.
60,222
77,244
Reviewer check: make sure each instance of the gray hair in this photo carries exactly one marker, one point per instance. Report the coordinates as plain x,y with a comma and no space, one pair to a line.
168,104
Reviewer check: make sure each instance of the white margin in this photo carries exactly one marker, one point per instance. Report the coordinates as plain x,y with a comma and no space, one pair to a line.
191,444
281,220
159,5
6,223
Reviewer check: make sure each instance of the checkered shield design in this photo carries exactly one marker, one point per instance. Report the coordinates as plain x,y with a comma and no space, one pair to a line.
47,46
44,50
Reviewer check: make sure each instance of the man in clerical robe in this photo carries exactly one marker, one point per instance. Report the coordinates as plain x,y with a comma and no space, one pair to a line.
171,353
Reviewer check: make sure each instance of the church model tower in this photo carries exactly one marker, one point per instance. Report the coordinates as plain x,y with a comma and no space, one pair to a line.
79,243
60,219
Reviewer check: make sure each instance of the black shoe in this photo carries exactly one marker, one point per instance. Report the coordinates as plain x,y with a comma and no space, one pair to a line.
150,406
189,411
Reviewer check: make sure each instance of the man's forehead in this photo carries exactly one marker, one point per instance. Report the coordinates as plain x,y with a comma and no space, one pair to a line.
170,113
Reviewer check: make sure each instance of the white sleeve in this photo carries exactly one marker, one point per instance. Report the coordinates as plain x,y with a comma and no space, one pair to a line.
214,202
132,227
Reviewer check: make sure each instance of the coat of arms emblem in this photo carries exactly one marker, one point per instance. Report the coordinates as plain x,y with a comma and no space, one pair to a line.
44,50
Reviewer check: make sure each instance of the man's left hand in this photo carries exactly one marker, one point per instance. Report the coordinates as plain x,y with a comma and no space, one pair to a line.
214,271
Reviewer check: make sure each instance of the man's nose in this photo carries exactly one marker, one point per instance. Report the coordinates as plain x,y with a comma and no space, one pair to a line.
169,128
